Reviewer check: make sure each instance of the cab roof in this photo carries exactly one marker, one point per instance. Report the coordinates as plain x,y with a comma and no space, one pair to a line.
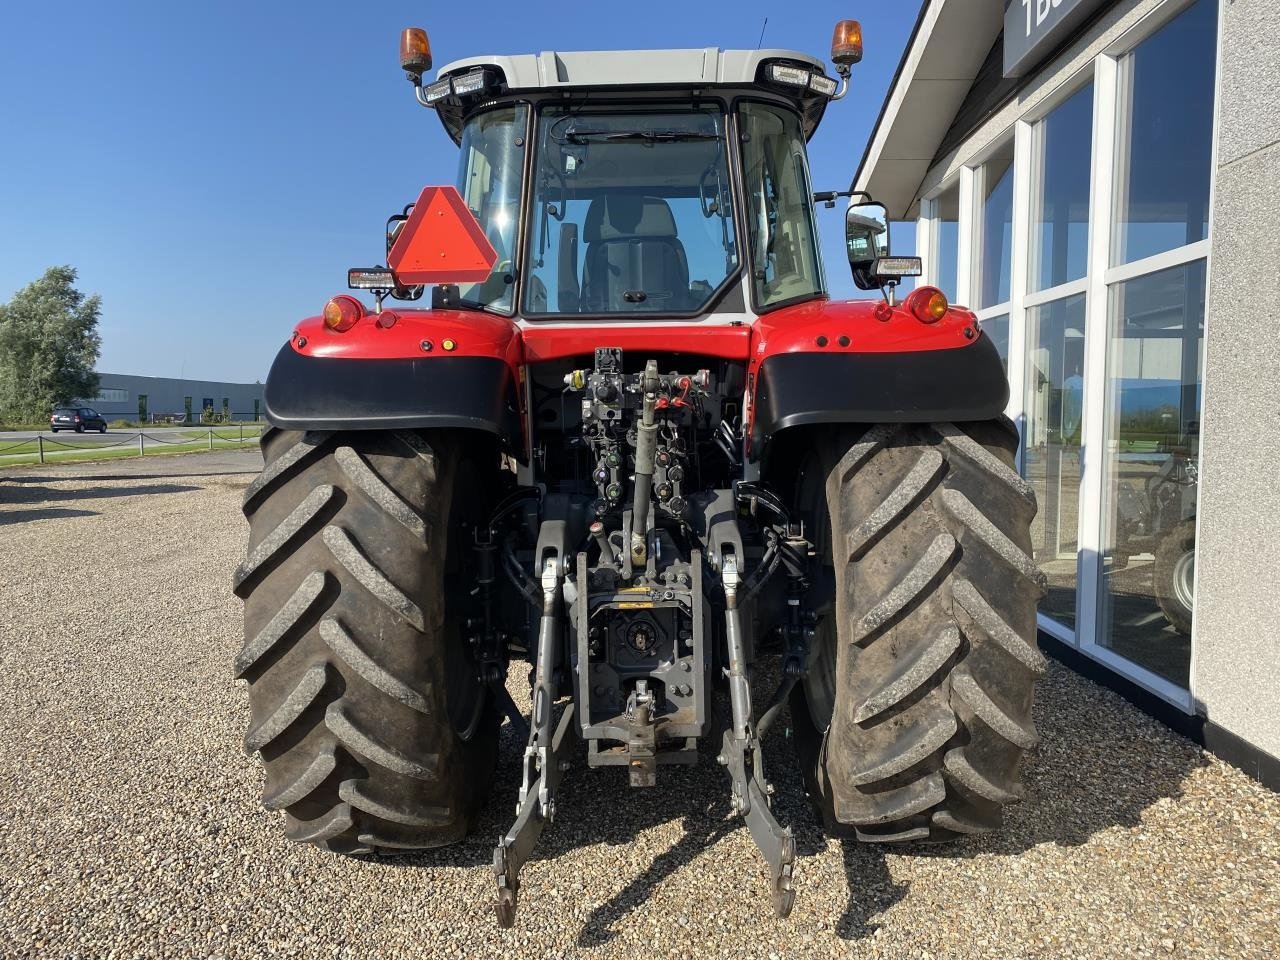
555,69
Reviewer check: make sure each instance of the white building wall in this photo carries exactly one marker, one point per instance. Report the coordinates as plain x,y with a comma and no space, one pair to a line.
1236,650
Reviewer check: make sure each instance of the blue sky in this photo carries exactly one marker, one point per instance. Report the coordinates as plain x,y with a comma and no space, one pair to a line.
212,170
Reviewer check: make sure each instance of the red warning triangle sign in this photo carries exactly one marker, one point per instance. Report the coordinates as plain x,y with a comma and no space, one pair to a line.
441,242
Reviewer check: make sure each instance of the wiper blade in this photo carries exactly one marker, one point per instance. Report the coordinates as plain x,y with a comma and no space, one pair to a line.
648,136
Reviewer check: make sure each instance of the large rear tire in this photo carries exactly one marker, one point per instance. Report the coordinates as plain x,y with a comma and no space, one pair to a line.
373,727
914,716
1174,574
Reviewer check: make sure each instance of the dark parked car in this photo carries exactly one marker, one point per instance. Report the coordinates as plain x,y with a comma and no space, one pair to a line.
78,419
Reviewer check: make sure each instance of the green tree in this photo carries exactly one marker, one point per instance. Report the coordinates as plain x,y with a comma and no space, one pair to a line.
49,344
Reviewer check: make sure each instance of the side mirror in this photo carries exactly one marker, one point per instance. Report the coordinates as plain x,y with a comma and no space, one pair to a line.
866,238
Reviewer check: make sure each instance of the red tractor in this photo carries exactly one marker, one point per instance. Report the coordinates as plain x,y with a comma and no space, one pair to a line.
635,445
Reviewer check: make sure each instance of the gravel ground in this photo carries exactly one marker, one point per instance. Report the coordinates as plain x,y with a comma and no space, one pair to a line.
130,825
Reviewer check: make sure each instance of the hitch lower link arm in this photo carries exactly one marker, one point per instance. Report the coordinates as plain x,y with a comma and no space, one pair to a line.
544,757
742,755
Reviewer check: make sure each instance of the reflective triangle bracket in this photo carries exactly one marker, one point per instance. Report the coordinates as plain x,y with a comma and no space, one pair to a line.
441,242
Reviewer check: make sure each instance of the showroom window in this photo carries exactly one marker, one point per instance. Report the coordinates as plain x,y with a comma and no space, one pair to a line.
1153,342
1080,239
995,230
1062,148
1164,137
992,256
1053,408
1059,153
1152,447
945,245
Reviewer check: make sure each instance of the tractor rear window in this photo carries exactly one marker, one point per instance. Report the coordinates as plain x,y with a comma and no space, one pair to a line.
631,213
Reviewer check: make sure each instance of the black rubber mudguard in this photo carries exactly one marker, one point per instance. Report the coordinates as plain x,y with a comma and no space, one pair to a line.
322,393
799,389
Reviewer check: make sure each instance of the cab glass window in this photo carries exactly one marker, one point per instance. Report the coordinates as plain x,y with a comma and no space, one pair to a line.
783,241
490,172
631,212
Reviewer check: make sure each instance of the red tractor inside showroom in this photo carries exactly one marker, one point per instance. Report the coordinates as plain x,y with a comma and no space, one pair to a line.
635,450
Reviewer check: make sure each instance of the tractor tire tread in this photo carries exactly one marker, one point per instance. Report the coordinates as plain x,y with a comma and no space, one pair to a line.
345,642
936,656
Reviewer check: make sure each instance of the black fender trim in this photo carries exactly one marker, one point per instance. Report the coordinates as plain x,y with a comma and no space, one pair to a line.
798,389
326,393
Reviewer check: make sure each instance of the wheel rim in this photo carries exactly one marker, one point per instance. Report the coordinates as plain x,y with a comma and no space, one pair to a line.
819,682
1184,578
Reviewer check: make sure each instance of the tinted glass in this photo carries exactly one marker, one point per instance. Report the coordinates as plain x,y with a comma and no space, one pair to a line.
1166,136
997,229
1152,468
1063,148
779,198
631,212
1054,408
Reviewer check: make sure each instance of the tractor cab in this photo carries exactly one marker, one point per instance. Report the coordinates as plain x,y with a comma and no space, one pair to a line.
639,184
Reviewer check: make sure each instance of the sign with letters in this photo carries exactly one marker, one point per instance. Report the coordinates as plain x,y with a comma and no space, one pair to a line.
1032,28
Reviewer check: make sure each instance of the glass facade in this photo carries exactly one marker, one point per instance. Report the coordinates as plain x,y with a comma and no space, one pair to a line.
1062,147
996,231
1104,349
1054,407
1165,137
1152,454
946,240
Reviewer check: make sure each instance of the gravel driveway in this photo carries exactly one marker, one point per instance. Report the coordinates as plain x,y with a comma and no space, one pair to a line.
130,825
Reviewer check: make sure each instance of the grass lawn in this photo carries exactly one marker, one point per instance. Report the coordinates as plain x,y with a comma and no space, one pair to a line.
63,451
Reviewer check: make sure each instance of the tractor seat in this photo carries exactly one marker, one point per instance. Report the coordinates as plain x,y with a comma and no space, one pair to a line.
634,260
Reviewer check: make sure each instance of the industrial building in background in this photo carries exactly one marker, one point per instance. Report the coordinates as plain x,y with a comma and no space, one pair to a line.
1098,181
122,396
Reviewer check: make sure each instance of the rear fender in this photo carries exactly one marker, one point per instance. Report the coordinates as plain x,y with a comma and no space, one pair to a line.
863,362
399,375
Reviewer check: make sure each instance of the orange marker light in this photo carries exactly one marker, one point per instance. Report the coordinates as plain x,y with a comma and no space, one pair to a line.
415,51
846,43
929,304
342,313
448,344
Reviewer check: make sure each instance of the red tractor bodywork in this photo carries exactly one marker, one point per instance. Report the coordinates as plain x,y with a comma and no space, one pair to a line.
821,327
